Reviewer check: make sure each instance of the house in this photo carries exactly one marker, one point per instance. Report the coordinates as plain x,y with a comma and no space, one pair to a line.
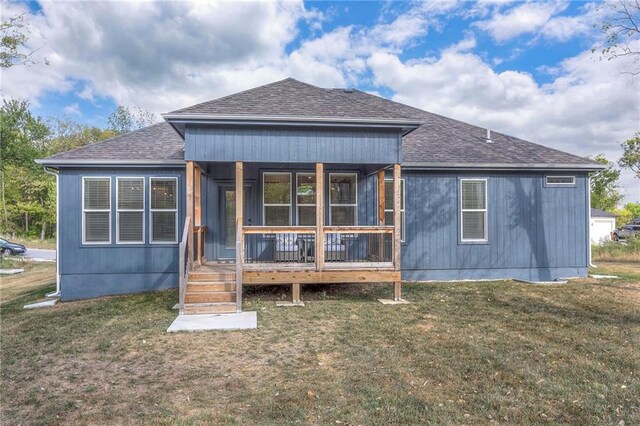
289,183
602,225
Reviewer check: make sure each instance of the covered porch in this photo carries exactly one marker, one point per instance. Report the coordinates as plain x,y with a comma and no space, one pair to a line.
262,224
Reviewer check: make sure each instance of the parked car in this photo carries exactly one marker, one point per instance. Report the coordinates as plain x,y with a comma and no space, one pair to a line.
626,231
7,247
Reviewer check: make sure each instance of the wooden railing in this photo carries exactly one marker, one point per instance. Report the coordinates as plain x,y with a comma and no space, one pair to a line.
198,241
342,246
184,265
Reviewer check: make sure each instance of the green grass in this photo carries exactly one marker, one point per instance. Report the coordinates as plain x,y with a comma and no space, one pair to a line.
617,251
461,353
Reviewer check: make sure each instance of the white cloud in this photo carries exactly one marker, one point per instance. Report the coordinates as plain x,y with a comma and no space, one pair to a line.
522,19
72,109
587,109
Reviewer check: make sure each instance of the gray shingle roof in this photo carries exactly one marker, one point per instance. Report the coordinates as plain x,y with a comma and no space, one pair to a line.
601,213
445,140
438,141
158,142
290,98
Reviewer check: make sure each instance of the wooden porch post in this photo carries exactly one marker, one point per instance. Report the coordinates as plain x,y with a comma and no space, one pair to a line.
198,211
381,206
397,285
189,185
319,217
239,232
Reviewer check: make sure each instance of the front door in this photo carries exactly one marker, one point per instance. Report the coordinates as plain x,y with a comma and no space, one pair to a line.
227,224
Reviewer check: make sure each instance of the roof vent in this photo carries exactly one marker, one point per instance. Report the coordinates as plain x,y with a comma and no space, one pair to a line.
348,90
489,136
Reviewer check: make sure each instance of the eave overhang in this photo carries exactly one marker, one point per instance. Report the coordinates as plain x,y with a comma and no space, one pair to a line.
503,166
52,162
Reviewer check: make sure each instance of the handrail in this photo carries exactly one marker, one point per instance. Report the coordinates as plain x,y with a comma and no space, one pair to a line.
279,229
184,264
359,229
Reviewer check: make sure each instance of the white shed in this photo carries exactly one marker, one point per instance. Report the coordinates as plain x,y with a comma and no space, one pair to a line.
602,224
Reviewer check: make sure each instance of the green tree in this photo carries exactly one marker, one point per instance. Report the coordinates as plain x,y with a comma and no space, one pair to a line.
605,194
631,154
621,31
125,120
14,35
66,134
627,213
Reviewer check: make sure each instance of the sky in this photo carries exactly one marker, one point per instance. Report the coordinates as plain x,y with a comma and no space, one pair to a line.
522,68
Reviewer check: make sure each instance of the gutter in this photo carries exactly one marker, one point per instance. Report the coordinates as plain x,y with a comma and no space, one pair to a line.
142,163
289,118
589,259
57,292
502,166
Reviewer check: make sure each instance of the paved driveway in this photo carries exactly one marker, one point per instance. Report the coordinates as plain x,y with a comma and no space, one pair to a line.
40,254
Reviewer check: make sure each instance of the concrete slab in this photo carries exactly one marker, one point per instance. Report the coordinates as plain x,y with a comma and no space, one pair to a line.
43,304
601,277
393,302
285,304
11,271
238,321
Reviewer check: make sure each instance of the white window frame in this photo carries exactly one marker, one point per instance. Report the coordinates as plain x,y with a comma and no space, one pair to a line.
485,210
152,210
298,205
84,211
344,205
547,183
403,223
290,205
119,210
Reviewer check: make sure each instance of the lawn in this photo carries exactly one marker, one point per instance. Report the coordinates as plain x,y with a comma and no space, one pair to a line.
460,353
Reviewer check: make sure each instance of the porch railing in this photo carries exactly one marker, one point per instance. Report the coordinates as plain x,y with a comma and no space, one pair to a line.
297,245
184,264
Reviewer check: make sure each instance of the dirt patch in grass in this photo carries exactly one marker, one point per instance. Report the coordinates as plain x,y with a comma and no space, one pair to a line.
460,353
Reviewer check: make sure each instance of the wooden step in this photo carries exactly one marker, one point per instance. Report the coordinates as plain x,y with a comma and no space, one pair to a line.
209,297
209,308
211,276
210,286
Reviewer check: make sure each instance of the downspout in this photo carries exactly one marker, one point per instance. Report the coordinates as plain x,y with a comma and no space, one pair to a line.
589,222
57,292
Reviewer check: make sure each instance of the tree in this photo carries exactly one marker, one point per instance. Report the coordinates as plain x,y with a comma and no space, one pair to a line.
622,32
66,134
631,154
13,39
125,120
627,213
605,193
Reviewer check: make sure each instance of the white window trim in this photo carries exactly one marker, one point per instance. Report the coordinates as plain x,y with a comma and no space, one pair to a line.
403,220
84,211
290,205
344,205
298,205
547,183
119,210
485,210
151,210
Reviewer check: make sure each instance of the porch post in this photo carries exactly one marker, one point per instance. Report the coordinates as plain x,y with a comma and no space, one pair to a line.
198,211
381,206
189,185
397,286
239,232
319,249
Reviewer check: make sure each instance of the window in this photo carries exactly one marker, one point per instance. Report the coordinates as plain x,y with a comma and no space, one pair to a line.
306,198
343,199
96,210
276,199
164,210
388,204
130,210
473,206
559,180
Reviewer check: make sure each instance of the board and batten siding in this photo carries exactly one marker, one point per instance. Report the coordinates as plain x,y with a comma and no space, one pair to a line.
536,233
103,269
292,146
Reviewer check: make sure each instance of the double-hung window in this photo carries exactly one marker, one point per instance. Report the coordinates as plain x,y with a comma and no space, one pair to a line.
276,198
343,199
388,204
164,209
306,198
96,210
473,210
130,210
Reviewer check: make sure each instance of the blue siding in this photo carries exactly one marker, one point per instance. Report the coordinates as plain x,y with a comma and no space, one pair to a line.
535,232
97,270
292,146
